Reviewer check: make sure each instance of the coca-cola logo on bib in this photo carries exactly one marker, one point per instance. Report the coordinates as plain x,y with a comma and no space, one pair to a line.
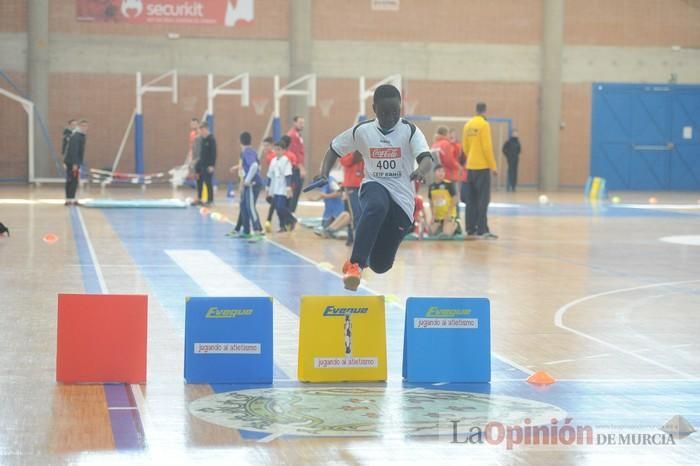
385,152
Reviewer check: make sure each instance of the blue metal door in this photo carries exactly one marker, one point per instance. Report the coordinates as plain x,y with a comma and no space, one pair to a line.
685,137
645,137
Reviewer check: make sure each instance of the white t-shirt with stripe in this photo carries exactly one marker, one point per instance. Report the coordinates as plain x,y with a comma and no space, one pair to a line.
389,155
280,168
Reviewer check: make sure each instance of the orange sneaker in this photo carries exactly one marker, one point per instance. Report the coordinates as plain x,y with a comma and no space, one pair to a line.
351,275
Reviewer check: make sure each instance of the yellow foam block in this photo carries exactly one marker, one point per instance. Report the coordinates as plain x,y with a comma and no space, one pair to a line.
595,188
342,339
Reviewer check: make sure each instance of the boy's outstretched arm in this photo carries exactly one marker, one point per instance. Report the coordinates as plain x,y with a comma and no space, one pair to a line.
329,161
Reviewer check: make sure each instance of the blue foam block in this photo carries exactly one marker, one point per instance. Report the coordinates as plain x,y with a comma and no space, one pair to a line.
447,340
228,340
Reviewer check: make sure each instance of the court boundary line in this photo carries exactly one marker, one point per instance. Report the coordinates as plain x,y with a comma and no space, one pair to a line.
137,393
559,322
93,255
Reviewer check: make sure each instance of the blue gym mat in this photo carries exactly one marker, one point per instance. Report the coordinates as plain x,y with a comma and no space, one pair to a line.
134,203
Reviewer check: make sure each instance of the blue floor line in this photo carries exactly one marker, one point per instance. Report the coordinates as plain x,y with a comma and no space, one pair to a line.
127,430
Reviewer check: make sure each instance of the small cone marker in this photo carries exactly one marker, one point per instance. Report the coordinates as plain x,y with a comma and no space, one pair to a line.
50,238
541,378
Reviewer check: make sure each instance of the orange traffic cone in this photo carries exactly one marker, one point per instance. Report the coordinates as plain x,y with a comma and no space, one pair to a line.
541,378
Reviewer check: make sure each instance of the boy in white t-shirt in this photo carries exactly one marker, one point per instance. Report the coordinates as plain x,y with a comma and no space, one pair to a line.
390,147
279,187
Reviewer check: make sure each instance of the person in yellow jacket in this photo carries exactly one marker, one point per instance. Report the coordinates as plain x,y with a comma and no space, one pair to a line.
478,148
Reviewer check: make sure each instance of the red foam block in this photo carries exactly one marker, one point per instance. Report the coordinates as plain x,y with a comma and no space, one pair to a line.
101,338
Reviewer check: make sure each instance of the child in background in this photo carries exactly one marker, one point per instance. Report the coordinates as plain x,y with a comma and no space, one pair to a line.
284,145
279,187
353,174
252,185
447,156
443,205
335,217
421,218
268,151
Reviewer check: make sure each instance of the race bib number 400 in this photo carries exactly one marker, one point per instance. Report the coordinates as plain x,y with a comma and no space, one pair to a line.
385,162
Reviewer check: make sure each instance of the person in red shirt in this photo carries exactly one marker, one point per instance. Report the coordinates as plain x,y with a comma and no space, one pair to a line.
285,144
268,151
296,146
457,151
195,143
421,214
288,153
194,132
448,158
462,160
354,172
421,220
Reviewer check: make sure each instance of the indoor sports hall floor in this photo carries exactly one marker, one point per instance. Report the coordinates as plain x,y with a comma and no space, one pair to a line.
596,296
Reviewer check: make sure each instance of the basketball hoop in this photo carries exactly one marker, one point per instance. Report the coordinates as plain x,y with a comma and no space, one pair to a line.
326,106
259,104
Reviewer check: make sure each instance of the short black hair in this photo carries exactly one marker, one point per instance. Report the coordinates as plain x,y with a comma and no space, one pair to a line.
386,91
195,119
296,117
246,138
269,140
72,120
437,167
285,141
480,107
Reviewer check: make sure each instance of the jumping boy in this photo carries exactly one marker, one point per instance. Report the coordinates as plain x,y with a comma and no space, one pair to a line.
390,147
